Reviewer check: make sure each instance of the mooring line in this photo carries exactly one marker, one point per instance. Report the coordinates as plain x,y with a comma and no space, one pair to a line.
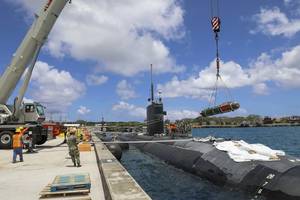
144,141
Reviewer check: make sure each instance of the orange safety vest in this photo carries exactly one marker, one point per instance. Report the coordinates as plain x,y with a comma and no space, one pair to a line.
17,139
17,142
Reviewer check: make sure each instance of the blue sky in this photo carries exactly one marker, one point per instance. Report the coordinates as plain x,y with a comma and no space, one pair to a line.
97,58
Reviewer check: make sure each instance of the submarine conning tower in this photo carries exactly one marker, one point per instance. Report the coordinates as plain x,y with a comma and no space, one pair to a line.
155,113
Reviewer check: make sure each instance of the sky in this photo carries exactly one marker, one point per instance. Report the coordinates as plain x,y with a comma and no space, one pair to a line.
97,59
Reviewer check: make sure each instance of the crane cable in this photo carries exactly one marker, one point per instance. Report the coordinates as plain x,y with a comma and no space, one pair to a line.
216,27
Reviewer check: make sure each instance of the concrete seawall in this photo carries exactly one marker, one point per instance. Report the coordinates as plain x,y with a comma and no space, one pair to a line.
118,184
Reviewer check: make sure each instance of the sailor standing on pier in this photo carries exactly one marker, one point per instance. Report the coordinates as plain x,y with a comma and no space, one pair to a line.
73,148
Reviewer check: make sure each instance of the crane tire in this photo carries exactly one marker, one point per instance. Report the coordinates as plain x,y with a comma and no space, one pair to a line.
41,139
6,138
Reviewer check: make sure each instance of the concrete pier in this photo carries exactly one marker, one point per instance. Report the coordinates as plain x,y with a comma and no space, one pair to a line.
25,180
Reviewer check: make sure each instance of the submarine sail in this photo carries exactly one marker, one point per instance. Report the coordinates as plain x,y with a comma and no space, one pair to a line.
155,113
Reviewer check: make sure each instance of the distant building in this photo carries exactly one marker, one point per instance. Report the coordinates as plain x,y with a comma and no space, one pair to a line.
294,119
72,125
212,122
277,120
245,124
268,120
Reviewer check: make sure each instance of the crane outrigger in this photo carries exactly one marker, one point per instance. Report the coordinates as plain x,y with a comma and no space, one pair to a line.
26,114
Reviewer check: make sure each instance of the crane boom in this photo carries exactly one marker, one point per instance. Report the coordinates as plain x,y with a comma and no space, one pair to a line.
34,39
19,99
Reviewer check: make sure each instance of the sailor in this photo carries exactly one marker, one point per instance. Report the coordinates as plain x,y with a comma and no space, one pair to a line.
73,148
29,142
18,144
64,130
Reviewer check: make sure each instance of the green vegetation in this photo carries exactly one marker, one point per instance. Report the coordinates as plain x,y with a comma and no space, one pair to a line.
250,120
119,124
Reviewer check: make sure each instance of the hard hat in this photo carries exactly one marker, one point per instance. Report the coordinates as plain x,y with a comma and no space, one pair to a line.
73,130
19,129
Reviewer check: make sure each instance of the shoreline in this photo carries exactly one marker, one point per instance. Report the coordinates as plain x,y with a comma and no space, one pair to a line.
250,126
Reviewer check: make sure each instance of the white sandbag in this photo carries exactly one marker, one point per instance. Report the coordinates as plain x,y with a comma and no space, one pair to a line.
241,151
207,139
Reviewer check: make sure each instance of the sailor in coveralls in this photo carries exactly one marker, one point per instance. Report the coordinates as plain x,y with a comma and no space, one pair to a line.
73,148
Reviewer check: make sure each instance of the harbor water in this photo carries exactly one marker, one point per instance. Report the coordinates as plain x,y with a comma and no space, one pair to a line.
281,138
162,181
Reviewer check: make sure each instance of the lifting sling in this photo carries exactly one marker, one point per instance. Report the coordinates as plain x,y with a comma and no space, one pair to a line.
229,106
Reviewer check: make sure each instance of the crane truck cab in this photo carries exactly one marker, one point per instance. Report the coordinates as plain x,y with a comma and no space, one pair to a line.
31,115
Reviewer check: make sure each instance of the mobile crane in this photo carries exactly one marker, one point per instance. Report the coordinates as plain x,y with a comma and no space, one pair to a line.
26,114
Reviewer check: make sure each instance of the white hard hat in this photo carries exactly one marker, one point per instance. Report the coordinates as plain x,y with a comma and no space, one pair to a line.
73,130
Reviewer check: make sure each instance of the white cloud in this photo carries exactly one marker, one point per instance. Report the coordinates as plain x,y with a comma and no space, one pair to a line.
96,80
130,109
287,1
125,90
27,100
292,4
202,85
83,110
283,71
181,114
274,22
261,89
140,112
53,88
122,36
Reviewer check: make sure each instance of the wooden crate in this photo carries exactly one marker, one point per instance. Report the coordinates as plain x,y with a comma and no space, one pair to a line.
80,194
70,182
85,147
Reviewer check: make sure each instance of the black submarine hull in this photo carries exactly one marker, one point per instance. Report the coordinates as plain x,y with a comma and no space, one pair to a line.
276,180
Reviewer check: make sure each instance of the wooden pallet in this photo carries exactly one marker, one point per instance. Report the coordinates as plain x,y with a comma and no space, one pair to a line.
71,182
80,194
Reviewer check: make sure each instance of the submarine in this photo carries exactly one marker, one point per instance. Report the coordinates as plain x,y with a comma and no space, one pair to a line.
274,179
